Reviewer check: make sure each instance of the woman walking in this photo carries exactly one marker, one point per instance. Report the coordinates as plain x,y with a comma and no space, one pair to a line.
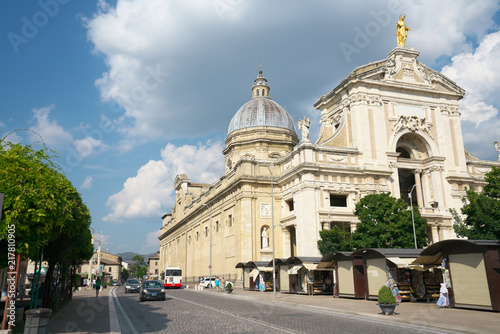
97,286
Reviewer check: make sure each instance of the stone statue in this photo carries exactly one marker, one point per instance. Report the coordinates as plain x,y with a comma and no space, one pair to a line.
265,238
402,31
304,126
497,146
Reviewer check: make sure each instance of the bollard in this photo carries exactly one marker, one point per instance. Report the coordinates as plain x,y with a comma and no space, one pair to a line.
37,321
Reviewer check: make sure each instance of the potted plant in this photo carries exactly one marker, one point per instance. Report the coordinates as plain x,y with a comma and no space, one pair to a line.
386,300
229,287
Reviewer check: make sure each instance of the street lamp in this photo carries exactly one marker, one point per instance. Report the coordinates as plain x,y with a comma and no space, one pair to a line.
412,218
210,231
272,224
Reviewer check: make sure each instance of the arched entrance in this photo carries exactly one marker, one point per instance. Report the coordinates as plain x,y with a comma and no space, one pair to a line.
413,151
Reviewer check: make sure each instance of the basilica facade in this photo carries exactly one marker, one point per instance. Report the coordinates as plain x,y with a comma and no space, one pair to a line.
391,126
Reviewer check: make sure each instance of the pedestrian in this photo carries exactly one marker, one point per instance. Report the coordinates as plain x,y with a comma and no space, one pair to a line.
93,284
97,286
443,300
223,284
217,283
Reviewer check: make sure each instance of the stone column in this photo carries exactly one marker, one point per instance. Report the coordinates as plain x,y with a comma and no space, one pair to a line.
418,188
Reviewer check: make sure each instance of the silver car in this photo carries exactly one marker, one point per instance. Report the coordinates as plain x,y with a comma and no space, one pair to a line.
132,285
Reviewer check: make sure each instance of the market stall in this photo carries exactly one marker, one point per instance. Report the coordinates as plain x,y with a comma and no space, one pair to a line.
471,270
388,266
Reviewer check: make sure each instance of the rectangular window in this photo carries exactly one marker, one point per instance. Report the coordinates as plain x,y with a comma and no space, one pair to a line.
289,203
230,220
338,200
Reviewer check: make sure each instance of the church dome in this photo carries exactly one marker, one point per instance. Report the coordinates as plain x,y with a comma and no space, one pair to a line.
261,110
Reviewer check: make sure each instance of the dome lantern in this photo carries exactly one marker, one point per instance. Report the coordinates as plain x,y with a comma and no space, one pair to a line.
260,87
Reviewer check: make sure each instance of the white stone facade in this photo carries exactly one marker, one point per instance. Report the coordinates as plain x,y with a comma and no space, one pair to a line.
390,125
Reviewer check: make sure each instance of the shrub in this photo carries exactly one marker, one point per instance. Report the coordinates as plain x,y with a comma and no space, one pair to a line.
385,296
229,286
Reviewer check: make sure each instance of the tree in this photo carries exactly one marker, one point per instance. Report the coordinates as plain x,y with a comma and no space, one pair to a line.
482,211
334,240
135,267
45,210
386,223
125,274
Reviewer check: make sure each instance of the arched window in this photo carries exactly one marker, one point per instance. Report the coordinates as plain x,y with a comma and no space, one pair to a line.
403,153
258,92
206,231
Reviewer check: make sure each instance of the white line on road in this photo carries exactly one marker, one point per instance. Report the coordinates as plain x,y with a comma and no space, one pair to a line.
114,326
129,323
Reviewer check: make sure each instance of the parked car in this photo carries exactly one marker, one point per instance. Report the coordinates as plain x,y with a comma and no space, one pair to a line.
206,282
132,285
152,289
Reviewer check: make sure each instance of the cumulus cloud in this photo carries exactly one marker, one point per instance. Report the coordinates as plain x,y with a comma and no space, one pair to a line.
150,193
87,183
447,27
89,145
51,132
152,243
172,62
478,72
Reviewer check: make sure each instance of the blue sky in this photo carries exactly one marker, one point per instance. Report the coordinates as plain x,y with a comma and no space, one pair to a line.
131,93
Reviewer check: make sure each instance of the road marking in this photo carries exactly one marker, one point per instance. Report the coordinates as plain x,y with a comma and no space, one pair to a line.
114,326
286,330
129,323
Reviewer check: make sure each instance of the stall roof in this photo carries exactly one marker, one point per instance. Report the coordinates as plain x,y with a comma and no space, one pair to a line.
433,255
299,260
260,265
391,252
328,261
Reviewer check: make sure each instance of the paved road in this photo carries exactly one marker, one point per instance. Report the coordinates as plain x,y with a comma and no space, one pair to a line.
188,311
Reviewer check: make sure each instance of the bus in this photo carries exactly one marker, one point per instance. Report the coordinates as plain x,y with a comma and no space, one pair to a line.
172,277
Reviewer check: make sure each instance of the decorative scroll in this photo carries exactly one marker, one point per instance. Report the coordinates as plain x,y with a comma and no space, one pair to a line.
412,123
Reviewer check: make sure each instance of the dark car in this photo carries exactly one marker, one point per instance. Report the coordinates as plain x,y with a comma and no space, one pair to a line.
152,290
132,285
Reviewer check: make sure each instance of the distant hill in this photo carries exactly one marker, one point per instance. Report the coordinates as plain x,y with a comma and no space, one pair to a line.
127,256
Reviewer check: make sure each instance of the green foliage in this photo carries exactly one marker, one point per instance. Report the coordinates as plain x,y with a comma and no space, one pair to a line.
125,274
386,222
334,240
385,296
482,211
43,206
229,286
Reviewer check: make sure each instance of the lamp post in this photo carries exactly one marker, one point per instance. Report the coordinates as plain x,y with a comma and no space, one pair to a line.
210,231
272,230
412,218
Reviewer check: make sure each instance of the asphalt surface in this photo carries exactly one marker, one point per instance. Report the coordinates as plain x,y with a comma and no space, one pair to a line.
193,311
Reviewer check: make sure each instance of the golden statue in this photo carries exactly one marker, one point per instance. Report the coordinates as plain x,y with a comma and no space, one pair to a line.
402,30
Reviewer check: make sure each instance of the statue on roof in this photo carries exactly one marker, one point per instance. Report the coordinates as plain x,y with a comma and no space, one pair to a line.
304,126
402,30
497,146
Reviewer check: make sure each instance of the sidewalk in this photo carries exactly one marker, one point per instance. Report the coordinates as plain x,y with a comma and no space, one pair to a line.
86,313
422,313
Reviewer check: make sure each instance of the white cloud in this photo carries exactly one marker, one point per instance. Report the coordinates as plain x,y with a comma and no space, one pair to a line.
443,27
150,192
478,72
88,146
51,132
164,57
152,243
87,183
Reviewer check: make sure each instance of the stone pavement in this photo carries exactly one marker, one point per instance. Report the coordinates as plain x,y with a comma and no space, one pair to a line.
85,314
88,314
421,313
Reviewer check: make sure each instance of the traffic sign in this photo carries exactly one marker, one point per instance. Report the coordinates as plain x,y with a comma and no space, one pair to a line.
210,267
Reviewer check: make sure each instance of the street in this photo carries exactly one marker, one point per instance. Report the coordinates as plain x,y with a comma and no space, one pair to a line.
188,311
